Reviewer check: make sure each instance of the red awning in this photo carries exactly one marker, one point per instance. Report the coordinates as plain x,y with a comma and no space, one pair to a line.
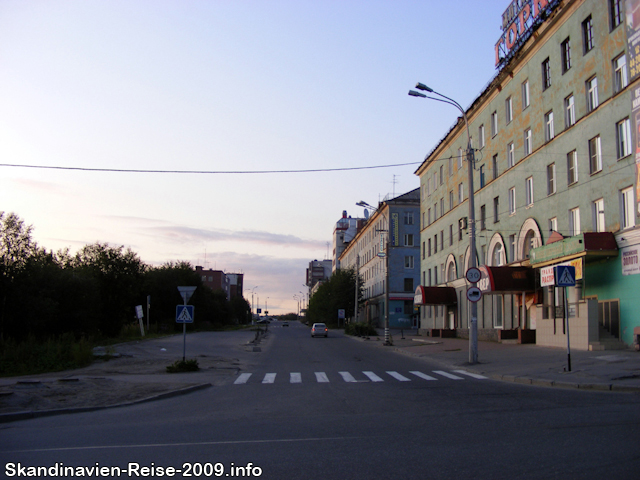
435,296
507,279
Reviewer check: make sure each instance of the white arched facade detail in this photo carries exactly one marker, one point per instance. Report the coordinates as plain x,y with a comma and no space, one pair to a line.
451,272
467,257
496,246
529,237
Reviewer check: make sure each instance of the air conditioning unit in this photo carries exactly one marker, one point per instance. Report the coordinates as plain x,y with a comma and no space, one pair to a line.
463,223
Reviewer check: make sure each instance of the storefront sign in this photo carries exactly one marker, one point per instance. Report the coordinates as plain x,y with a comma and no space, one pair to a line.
547,278
395,220
630,257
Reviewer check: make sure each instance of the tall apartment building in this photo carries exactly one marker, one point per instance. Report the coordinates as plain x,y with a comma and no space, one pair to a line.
394,223
344,231
556,182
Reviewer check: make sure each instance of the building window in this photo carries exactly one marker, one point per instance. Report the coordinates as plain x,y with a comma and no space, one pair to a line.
451,200
592,93
459,158
441,239
510,156
508,110
525,94
551,179
408,218
494,166
442,206
424,250
512,247
429,216
628,212
595,155
620,78
460,193
496,209
546,74
548,126
569,111
408,286
527,142
494,124
483,217
572,167
528,183
615,13
574,222
587,34
408,240
408,262
512,200
429,247
598,215
450,234
435,243
481,176
565,55
623,138
481,136
441,174
553,224
450,166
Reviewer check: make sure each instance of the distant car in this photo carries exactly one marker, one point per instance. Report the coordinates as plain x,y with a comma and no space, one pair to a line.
285,324
319,329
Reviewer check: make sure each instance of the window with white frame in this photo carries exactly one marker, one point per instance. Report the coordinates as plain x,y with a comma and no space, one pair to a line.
565,55
569,111
546,74
481,136
497,256
551,179
460,193
512,200
435,180
548,126
441,174
525,94
574,222
592,93
623,138
587,35
408,262
494,166
527,142
615,13
408,240
459,158
494,124
512,247
511,159
508,110
572,167
553,224
595,155
496,209
620,78
627,201
528,183
598,215
408,218
451,205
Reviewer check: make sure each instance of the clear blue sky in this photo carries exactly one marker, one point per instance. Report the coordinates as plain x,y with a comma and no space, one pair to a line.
226,85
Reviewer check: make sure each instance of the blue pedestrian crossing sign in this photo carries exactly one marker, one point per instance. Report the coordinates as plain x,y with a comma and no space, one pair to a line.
184,314
565,275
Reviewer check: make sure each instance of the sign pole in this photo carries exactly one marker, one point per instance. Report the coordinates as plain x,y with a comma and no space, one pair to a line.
566,315
184,336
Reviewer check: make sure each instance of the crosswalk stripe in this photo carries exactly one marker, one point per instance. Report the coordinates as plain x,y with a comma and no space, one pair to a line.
242,378
295,377
448,375
347,377
373,377
399,377
269,378
424,376
321,377
474,375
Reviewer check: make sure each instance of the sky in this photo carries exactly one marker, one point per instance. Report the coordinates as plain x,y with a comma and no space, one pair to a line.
221,86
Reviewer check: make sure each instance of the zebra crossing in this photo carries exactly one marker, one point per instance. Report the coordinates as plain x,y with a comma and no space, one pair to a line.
369,377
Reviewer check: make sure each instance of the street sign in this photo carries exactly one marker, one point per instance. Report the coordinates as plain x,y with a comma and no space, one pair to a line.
473,275
565,275
474,294
341,313
184,313
186,292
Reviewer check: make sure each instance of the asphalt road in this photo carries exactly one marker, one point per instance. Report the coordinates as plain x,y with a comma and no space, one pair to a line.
299,415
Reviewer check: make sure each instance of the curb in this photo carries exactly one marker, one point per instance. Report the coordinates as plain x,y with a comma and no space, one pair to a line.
15,416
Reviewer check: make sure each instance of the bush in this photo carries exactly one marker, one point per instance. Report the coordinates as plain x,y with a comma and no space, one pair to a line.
360,329
184,366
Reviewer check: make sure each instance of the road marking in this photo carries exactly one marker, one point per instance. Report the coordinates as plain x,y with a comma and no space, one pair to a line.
347,377
295,377
448,375
399,377
242,378
423,376
269,378
373,377
474,375
321,377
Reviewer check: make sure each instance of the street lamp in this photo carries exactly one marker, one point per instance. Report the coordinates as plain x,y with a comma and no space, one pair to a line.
473,328
364,204
252,292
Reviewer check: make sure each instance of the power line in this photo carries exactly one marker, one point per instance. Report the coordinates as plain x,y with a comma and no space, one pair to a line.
207,172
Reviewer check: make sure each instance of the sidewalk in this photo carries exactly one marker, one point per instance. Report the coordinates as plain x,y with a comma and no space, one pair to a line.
616,370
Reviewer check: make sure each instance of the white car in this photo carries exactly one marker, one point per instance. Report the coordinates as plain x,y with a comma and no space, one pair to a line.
319,329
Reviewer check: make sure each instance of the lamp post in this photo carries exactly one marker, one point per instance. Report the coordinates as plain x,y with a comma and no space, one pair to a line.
252,292
473,328
364,204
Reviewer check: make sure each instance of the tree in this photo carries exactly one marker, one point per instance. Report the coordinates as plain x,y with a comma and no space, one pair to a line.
336,293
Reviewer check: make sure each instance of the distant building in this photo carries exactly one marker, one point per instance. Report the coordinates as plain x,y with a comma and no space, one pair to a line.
344,231
318,271
230,283
395,223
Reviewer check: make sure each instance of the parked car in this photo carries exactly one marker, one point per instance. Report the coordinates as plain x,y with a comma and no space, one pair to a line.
319,329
